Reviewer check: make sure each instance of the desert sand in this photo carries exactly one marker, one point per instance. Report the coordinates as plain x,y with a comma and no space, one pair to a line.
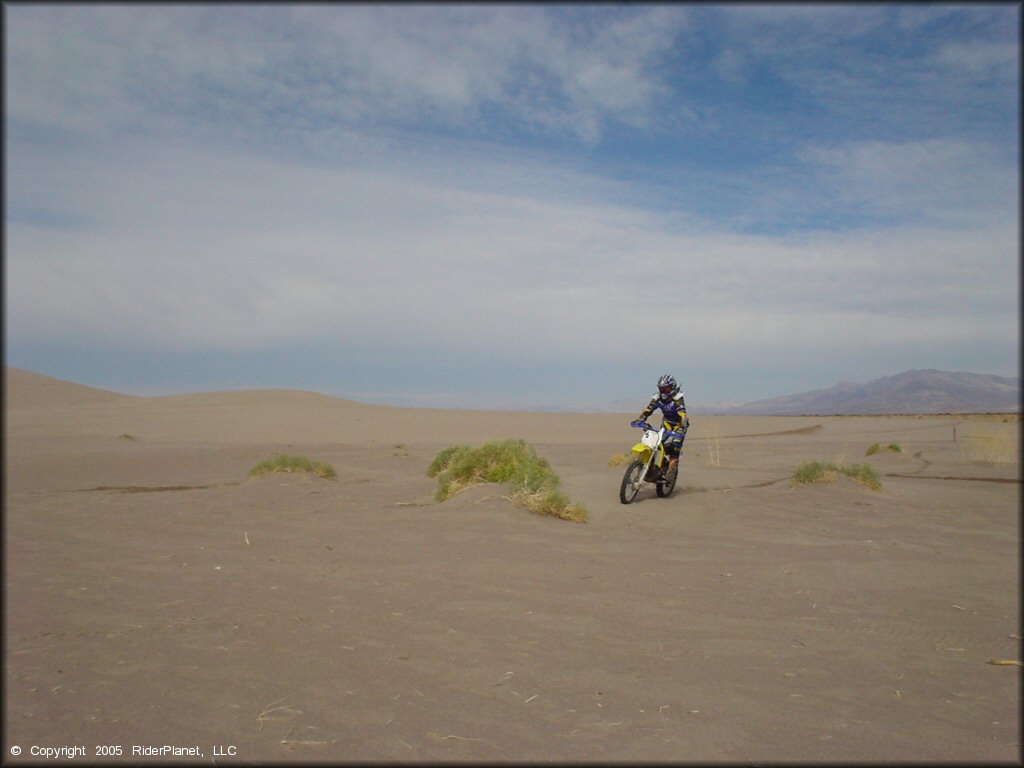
155,595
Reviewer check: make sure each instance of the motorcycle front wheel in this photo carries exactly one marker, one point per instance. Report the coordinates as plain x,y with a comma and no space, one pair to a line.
631,482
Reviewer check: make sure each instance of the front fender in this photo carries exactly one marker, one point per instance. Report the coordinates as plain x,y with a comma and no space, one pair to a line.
642,452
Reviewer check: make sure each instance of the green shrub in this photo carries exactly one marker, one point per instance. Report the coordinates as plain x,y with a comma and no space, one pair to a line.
814,472
284,463
864,474
876,447
535,485
828,472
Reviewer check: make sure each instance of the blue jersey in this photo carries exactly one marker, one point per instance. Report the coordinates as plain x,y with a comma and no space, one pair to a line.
673,410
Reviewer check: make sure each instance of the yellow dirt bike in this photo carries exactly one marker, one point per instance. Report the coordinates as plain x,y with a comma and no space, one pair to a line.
650,465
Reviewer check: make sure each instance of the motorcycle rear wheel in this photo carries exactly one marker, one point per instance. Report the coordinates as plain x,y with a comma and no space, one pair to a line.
665,487
631,482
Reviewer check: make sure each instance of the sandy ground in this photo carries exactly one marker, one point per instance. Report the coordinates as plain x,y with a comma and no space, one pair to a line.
155,596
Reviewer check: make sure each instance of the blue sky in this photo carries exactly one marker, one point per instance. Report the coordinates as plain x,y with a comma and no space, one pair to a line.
510,206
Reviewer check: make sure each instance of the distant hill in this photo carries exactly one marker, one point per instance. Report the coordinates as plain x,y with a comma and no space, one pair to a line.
927,391
24,389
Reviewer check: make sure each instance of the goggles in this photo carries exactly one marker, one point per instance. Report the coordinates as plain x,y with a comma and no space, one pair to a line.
666,390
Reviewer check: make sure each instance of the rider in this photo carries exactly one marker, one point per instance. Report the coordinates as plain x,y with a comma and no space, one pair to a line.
670,401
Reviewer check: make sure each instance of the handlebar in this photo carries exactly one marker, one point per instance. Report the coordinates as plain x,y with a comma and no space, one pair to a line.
645,426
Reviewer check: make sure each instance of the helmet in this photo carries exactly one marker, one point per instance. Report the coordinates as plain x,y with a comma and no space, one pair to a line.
667,386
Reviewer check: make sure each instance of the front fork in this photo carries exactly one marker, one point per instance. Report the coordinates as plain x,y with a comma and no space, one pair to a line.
655,458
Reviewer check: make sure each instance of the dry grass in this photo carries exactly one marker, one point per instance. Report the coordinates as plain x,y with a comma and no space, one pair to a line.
619,459
284,463
276,707
829,472
534,484
990,442
877,447
553,503
714,449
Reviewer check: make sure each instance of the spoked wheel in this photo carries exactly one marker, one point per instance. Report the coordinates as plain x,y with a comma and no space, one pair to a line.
631,482
666,485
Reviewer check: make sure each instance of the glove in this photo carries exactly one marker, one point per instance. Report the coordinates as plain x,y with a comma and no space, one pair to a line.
638,423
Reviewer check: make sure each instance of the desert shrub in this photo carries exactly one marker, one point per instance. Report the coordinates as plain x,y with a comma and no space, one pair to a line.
534,484
865,474
618,459
829,472
443,459
877,447
551,502
814,472
284,463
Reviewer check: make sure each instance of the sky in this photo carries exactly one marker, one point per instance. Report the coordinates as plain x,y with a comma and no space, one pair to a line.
522,206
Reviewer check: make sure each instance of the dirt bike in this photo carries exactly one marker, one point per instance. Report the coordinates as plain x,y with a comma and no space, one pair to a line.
650,464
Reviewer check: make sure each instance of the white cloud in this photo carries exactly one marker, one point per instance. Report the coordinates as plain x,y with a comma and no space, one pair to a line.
939,181
122,65
981,58
201,251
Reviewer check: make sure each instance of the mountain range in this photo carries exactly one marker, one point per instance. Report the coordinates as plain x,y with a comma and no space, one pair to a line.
920,391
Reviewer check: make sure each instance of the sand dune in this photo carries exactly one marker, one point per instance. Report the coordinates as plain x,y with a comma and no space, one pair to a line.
157,596
27,390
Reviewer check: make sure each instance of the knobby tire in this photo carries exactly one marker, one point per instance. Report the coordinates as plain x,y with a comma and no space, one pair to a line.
665,487
631,482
